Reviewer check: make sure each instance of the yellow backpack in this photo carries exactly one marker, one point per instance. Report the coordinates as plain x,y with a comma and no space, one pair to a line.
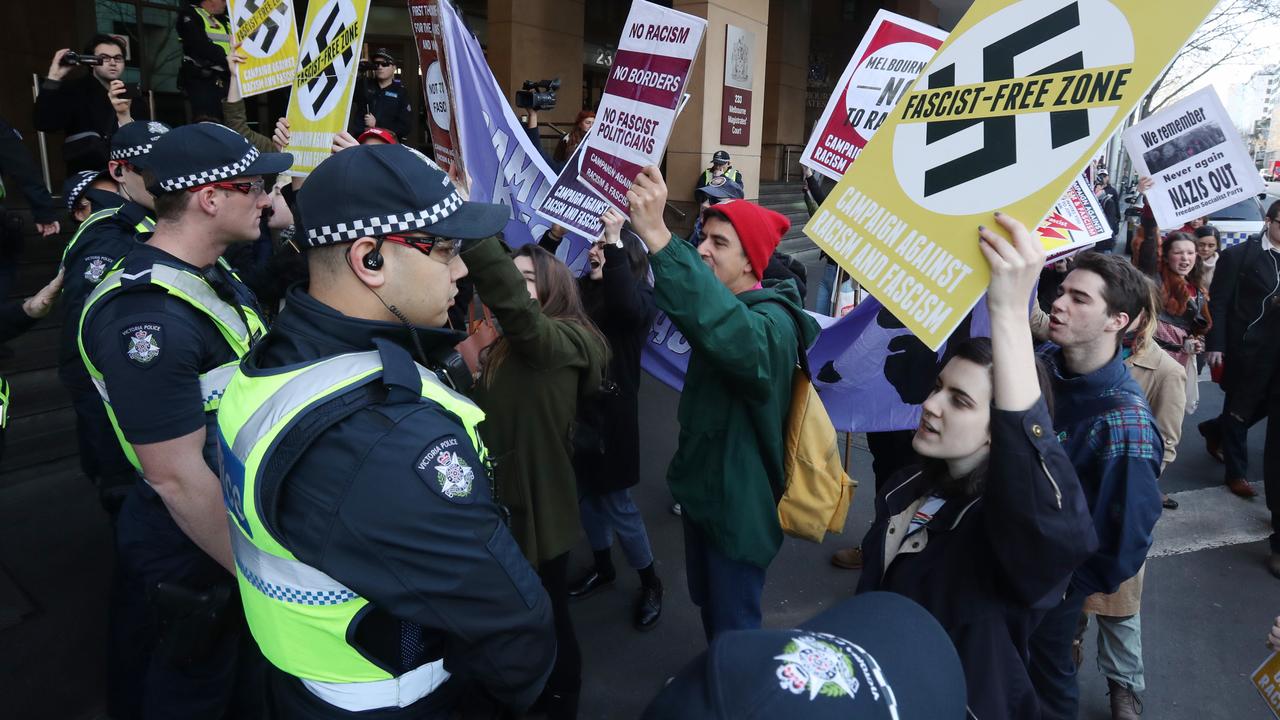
818,490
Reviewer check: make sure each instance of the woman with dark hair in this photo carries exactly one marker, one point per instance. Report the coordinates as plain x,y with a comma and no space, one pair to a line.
547,356
619,299
986,531
570,142
1208,243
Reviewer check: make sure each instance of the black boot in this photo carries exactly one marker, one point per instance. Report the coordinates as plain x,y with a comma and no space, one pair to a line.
649,606
601,576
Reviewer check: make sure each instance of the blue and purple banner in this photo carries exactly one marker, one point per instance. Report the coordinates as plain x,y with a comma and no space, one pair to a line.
870,371
503,164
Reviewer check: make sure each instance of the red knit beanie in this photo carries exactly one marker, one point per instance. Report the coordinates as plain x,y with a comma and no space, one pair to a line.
759,229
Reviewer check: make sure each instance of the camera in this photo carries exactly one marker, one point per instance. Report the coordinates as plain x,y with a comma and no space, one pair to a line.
73,58
538,94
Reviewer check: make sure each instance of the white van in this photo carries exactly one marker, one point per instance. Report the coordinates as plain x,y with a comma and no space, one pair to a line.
1239,222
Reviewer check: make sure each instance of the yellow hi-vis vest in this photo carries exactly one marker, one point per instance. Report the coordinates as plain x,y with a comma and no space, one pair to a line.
240,328
299,616
145,225
217,31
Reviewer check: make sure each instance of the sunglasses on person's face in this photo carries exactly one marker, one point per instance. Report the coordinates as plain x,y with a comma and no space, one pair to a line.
442,250
252,187
381,63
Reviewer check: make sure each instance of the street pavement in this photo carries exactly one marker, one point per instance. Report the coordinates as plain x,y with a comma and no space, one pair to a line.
1209,601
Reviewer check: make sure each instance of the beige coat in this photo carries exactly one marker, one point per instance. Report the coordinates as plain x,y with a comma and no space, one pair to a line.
1164,382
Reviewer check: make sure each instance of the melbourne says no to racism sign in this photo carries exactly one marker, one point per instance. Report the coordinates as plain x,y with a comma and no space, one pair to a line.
1004,118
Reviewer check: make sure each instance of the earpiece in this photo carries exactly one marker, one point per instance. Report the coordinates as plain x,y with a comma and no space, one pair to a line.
119,171
373,261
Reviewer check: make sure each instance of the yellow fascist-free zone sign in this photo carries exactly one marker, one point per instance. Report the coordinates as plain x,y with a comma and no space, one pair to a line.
266,34
328,60
1005,116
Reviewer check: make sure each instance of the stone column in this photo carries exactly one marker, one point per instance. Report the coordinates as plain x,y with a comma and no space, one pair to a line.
538,40
786,78
697,132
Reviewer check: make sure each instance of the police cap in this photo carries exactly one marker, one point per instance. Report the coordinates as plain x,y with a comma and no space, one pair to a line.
375,190
134,141
203,153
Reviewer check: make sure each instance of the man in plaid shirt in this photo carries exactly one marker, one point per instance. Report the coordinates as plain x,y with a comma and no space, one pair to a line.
1102,419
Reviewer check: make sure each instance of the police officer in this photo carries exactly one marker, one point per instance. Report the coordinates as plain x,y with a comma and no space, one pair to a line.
382,102
16,317
160,335
88,192
377,574
102,239
720,167
206,41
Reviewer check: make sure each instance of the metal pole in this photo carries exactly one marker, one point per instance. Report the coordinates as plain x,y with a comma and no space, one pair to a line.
44,150
151,104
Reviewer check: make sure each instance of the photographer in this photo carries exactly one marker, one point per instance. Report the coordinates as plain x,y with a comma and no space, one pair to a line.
383,103
87,109
206,40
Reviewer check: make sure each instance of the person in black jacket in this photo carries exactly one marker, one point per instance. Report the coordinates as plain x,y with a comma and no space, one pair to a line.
384,102
1244,301
986,532
87,109
619,299
15,163
17,317
206,42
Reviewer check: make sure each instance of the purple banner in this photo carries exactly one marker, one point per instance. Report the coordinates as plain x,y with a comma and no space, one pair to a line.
870,371
503,164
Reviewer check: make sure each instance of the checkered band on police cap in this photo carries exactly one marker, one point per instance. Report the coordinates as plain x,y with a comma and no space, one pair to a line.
386,224
204,177
82,180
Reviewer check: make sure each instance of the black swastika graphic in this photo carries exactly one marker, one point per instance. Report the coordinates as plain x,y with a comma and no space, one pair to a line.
267,31
323,84
999,135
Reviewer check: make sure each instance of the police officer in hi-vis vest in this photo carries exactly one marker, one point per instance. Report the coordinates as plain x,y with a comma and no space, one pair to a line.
103,238
376,571
206,41
160,336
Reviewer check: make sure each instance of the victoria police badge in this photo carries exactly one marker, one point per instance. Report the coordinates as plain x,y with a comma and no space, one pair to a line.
142,343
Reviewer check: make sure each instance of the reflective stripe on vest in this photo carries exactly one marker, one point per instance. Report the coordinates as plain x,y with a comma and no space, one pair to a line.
4,403
196,292
299,616
145,226
217,32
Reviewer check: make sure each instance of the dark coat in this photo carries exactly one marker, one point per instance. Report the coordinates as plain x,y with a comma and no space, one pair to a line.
623,308
991,565
390,107
1246,318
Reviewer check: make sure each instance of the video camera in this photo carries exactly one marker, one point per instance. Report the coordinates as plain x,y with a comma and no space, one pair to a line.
72,59
538,94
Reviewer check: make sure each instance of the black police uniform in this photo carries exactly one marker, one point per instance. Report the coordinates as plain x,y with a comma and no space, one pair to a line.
16,164
390,107
87,260
356,474
155,401
204,74
178,642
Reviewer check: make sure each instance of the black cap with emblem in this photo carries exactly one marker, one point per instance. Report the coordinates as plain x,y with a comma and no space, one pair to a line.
720,157
373,190
133,142
203,153
877,656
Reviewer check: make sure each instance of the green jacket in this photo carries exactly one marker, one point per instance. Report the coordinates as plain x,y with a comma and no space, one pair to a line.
727,470
530,402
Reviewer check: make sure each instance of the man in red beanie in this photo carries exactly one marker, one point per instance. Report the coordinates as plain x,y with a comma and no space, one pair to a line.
727,470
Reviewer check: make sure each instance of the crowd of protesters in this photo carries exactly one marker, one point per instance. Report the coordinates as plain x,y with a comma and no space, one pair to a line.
336,496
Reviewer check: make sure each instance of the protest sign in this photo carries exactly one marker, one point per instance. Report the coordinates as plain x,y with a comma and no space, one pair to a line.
571,204
424,18
739,64
1196,158
266,33
502,163
1267,680
889,58
329,57
641,96
1076,221
1004,117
